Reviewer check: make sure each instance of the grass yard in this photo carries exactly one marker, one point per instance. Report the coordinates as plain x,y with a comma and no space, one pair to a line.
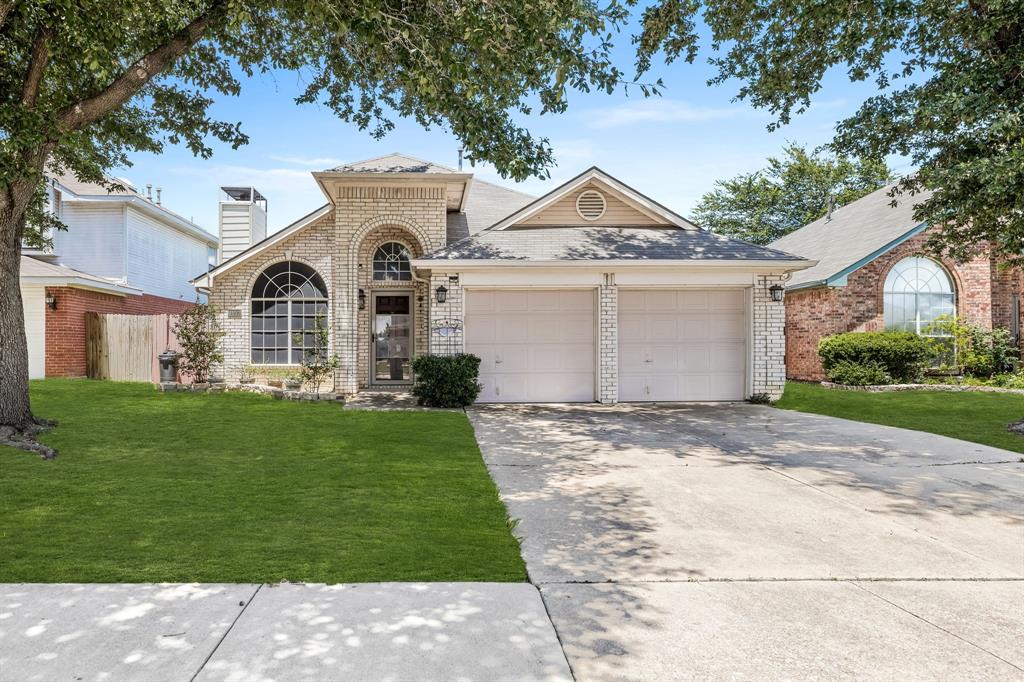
977,417
235,487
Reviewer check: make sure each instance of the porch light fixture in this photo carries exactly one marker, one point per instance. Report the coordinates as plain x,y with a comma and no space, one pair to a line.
441,293
51,301
776,292
362,299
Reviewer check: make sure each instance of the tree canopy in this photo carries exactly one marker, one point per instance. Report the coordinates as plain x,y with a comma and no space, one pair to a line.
791,191
950,79
87,82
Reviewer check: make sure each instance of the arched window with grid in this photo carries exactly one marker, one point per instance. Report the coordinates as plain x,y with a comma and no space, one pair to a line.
286,300
391,263
917,292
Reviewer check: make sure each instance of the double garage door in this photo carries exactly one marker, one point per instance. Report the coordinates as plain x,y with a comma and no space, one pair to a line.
540,345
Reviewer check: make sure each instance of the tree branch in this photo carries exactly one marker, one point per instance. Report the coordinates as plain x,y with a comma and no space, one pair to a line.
36,66
139,74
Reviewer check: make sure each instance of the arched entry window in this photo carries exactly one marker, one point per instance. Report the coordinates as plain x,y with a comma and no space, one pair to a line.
917,292
391,263
286,300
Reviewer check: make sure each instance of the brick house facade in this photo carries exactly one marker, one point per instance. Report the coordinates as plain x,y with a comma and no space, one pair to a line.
985,293
530,307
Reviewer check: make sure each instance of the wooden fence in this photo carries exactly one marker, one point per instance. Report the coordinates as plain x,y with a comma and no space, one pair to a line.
125,347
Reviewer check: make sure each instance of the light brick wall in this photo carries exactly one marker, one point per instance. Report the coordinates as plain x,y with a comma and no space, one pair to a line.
419,211
608,340
231,291
452,309
769,324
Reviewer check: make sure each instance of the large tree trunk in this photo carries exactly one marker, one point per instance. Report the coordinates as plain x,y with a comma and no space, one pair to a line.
18,427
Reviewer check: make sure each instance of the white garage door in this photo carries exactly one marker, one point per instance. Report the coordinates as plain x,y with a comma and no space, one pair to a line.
534,346
682,345
33,300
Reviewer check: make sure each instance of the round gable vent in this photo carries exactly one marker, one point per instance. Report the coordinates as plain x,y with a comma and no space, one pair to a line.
590,204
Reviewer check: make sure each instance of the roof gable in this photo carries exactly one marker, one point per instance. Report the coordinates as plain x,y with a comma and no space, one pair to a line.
623,203
852,237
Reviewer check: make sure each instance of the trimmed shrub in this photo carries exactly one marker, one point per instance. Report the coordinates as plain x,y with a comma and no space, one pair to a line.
902,355
868,373
446,380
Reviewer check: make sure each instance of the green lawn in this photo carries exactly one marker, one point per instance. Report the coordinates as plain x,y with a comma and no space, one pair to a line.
244,488
977,417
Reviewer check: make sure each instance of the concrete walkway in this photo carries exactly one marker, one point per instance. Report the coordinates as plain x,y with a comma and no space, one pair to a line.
248,633
745,542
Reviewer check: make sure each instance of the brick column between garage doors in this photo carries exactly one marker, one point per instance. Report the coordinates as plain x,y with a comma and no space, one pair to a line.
608,340
769,325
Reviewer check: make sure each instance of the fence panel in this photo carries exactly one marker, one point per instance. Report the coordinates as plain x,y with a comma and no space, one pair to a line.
124,347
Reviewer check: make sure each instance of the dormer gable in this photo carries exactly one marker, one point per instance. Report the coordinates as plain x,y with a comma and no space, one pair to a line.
594,199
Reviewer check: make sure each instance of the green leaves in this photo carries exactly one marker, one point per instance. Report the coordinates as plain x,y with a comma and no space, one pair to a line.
950,79
790,192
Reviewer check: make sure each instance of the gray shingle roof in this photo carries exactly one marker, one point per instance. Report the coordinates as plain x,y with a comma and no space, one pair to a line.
486,204
603,243
393,163
855,232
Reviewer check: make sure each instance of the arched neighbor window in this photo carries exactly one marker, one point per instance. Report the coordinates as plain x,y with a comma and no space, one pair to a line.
391,263
286,300
917,292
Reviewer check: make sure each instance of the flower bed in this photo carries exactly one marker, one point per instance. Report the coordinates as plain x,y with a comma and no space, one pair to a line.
278,393
952,388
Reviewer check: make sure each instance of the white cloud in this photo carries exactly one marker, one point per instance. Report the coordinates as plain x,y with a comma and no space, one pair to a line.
657,111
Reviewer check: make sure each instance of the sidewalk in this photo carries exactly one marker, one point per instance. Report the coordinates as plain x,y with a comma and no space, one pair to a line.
242,632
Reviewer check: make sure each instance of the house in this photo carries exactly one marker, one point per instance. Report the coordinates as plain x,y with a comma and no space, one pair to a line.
123,252
873,273
592,292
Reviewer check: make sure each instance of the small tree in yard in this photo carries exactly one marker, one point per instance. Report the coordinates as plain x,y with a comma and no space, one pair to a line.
317,363
199,335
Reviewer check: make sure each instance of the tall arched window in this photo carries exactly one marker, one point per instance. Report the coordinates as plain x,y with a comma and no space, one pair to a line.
917,292
286,300
391,263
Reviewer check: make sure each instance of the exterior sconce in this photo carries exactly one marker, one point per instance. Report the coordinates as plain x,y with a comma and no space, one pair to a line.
362,300
441,293
777,292
51,301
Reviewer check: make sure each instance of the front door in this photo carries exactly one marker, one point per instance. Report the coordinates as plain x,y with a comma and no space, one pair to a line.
391,351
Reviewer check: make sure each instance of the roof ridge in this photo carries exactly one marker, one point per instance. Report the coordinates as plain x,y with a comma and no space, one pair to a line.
401,154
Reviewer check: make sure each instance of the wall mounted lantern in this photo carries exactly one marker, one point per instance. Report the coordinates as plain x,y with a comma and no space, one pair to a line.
441,293
777,292
362,300
51,301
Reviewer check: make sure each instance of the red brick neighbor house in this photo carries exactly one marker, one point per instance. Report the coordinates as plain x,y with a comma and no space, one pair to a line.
873,273
123,252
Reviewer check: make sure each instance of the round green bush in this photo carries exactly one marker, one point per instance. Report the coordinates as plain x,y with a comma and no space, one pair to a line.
902,355
446,380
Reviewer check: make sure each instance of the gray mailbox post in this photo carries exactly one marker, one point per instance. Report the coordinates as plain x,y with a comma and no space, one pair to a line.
168,367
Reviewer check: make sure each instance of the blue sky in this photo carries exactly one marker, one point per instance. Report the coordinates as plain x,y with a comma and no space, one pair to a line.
672,148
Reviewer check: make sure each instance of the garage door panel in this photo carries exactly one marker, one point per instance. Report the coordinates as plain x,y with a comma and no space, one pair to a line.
480,303
694,350
727,300
509,302
484,330
728,357
544,340
693,300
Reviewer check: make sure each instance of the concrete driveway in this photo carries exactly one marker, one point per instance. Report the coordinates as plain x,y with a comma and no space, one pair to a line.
744,542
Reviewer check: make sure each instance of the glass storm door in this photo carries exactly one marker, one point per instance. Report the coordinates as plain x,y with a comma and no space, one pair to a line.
392,338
